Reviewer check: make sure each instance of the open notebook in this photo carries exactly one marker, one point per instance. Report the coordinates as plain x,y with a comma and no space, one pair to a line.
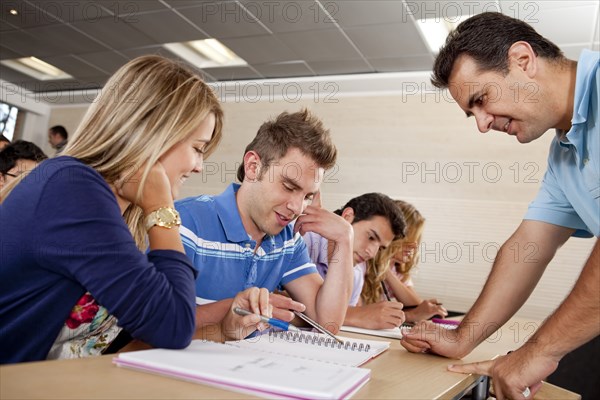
315,346
277,364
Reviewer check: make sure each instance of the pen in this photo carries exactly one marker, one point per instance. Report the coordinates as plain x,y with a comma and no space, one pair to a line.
411,307
318,327
286,326
445,321
385,291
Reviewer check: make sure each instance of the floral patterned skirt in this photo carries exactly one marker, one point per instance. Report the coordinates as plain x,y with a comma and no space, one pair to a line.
88,331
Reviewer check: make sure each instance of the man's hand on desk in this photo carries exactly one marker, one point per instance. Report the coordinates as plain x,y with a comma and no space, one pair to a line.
427,337
515,375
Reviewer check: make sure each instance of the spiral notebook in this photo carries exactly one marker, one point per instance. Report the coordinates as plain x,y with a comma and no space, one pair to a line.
315,346
249,370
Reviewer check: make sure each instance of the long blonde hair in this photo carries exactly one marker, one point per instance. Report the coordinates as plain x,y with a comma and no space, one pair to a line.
377,267
148,106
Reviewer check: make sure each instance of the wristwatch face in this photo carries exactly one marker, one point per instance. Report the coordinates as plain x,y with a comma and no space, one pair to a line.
167,217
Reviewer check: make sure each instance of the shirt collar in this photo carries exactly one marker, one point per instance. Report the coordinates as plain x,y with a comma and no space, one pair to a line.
229,215
231,220
586,71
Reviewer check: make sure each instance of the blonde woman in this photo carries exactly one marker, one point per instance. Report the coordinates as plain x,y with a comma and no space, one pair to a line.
391,270
74,230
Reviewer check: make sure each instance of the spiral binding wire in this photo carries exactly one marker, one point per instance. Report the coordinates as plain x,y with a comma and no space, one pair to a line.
319,340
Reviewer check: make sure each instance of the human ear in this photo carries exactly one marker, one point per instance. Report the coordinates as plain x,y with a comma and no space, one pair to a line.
252,166
522,56
348,214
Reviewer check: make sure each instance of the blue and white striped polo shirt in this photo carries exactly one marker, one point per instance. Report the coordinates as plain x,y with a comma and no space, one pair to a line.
215,240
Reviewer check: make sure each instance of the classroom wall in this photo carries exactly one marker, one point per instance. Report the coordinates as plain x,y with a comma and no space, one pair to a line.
472,188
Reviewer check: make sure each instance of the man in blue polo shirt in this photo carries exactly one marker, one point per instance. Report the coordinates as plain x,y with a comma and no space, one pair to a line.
511,79
244,237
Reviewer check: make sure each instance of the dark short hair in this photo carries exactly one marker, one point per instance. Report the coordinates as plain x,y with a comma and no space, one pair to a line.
301,130
486,38
19,150
4,139
370,205
59,130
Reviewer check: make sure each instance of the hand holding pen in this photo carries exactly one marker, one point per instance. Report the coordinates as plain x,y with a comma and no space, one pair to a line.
277,323
256,301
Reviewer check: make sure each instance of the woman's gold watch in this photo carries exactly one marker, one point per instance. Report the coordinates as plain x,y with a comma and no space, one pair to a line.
166,217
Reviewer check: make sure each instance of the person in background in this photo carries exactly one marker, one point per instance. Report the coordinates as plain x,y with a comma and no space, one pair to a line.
376,221
511,79
393,267
3,142
74,271
58,137
245,237
18,158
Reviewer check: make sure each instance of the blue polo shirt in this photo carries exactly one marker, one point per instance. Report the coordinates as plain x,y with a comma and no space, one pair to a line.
217,243
570,192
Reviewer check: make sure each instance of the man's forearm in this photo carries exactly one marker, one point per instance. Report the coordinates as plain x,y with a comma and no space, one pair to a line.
333,297
577,320
517,269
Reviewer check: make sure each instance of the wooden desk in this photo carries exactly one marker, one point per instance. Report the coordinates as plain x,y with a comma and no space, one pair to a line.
396,374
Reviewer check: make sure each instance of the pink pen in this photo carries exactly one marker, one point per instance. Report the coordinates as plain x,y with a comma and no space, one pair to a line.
445,321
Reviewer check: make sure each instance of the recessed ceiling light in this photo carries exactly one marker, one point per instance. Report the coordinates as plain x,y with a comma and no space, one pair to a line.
36,68
13,11
435,30
206,53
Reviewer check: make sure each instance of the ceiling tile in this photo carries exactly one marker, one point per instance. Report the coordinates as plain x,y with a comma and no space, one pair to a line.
525,10
31,45
74,66
422,62
108,61
367,12
357,66
190,3
390,40
71,11
547,22
128,10
8,54
114,33
284,70
152,50
260,49
290,16
450,10
224,20
5,26
232,73
166,27
320,45
64,38
28,15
